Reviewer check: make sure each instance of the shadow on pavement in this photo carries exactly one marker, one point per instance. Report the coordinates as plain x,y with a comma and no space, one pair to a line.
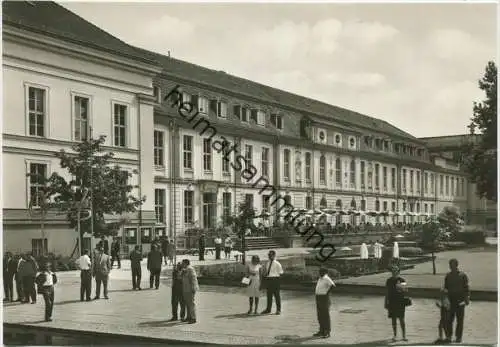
238,315
57,303
293,339
163,323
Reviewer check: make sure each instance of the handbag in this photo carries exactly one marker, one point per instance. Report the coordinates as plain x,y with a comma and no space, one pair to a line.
245,281
407,301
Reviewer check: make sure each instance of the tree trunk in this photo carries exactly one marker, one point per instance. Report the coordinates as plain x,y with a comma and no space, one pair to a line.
243,249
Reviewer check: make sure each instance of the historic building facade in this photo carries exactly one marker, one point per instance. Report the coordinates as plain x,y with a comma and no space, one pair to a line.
202,140
58,87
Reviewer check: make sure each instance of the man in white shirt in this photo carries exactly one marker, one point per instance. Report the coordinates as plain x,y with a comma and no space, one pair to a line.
218,246
85,266
323,287
271,281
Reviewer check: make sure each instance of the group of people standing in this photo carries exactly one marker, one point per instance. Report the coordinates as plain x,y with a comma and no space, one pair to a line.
455,295
22,269
219,245
30,279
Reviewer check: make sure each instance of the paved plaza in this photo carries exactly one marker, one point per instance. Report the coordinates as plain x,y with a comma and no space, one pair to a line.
222,318
480,265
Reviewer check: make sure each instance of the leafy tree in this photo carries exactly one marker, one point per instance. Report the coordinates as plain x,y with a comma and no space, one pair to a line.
449,220
480,160
241,222
93,175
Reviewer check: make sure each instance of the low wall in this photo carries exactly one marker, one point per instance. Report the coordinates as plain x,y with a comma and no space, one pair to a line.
288,263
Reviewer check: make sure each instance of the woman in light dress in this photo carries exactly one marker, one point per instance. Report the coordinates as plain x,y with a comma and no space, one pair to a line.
253,289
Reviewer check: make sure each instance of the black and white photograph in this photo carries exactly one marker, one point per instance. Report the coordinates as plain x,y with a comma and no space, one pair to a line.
249,173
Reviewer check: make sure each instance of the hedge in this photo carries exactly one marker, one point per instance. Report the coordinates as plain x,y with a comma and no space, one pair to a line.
59,262
471,237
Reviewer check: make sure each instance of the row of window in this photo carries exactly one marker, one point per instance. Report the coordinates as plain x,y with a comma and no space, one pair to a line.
220,108
209,201
457,184
37,118
399,148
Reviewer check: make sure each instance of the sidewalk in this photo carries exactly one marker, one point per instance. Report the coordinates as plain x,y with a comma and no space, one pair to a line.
222,318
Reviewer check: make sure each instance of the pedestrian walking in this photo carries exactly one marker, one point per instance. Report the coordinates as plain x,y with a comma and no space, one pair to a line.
177,299
201,247
271,282
171,252
135,265
85,266
9,270
154,267
323,288
19,277
28,271
228,246
189,289
46,280
444,305
115,252
253,273
218,246
101,269
395,302
164,249
456,283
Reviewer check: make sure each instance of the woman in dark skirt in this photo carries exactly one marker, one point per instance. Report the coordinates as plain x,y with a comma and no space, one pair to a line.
395,302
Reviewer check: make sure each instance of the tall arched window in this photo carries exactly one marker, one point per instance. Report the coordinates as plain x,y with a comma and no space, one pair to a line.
338,171
286,164
322,169
338,205
308,165
322,203
353,174
353,207
377,208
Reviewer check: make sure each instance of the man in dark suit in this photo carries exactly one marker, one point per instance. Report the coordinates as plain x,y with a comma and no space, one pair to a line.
189,289
115,252
9,270
101,269
104,244
135,264
177,297
201,247
154,267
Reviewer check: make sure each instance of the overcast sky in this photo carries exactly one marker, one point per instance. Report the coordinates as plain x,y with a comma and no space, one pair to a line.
414,65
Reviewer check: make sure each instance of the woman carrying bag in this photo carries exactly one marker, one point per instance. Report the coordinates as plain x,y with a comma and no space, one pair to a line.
253,281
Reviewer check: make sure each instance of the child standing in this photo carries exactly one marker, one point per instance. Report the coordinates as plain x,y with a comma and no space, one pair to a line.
46,280
444,304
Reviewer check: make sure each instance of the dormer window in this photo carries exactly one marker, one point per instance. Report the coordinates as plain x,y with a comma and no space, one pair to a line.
368,141
241,113
244,114
378,144
203,105
277,120
337,139
253,115
386,145
352,142
219,108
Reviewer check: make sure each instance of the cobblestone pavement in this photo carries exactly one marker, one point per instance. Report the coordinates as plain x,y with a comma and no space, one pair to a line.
221,317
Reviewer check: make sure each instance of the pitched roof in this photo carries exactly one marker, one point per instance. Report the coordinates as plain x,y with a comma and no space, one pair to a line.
53,19
443,142
226,81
